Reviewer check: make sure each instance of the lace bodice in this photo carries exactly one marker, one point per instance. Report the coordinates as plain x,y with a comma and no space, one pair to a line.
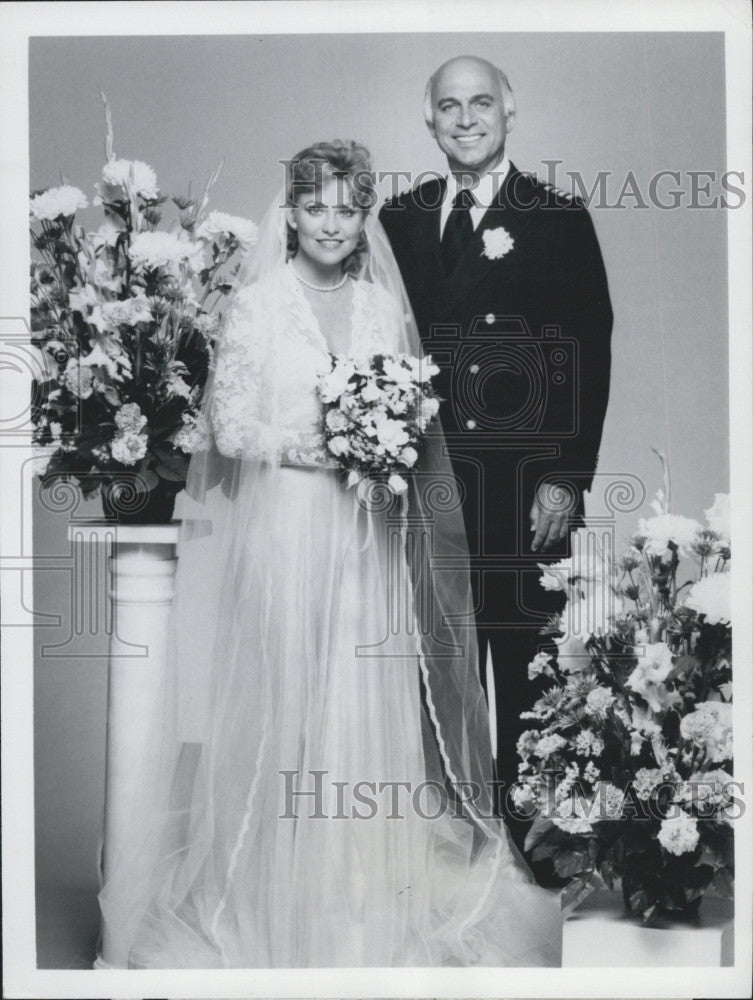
265,404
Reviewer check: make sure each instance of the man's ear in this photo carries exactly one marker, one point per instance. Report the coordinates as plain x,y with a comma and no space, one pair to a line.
431,128
510,121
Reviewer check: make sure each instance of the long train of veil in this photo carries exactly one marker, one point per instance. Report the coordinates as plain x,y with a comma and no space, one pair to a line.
180,893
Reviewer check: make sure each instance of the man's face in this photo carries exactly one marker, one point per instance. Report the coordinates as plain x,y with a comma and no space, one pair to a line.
470,125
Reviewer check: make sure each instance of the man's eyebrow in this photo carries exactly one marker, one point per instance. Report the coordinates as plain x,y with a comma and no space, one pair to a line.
476,97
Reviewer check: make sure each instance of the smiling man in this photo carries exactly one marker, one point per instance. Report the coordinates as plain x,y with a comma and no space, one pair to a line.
507,283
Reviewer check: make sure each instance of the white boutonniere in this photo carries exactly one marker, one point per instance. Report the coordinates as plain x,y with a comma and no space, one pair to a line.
497,243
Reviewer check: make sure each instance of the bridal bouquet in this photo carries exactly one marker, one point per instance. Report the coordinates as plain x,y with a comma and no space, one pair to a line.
375,413
629,766
123,323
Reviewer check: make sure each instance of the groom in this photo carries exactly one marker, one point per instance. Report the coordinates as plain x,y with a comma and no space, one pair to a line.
508,287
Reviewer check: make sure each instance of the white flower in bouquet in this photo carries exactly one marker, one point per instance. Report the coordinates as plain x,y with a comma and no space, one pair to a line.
710,727
647,679
130,418
428,409
607,801
397,484
540,666
332,386
106,236
643,726
705,790
549,745
588,744
127,312
81,300
599,701
336,421
523,796
718,515
193,436
662,529
646,780
116,364
176,385
56,202
573,816
169,250
391,434
371,392
679,834
711,596
527,742
408,457
572,655
220,223
397,372
78,380
339,446
121,176
103,277
128,448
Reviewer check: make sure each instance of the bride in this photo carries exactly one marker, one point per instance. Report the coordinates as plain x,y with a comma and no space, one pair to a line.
319,786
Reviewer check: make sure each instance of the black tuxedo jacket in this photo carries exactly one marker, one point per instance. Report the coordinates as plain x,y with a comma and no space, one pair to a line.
521,332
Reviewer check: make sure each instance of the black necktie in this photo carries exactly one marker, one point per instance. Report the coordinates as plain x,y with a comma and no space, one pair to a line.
458,230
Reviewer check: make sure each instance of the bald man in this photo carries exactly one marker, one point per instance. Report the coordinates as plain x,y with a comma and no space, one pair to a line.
508,287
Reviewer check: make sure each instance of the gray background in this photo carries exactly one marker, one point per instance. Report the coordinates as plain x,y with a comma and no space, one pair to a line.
614,102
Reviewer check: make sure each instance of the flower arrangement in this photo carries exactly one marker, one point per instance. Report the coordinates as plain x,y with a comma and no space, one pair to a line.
629,766
123,323
375,413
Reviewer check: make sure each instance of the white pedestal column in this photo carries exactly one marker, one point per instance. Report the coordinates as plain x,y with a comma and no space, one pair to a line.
142,565
600,933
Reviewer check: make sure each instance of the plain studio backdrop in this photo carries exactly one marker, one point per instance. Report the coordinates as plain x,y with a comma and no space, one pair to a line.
596,102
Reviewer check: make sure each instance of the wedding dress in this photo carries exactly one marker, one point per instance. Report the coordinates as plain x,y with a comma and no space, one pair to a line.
299,817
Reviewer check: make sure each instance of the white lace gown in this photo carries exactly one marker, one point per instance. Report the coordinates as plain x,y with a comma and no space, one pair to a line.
319,691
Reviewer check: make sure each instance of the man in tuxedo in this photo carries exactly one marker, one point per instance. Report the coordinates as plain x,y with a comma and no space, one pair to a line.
508,287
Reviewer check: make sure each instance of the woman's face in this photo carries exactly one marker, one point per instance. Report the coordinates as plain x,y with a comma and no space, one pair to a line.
328,223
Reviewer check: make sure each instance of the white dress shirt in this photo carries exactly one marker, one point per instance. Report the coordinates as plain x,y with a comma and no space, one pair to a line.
484,194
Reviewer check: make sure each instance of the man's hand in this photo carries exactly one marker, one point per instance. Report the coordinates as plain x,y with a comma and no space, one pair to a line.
550,513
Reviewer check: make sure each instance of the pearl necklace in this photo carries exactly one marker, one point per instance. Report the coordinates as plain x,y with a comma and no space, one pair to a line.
320,288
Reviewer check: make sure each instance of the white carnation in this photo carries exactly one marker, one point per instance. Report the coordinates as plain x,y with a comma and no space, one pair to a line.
60,201
711,596
118,176
78,380
497,242
646,780
128,447
599,701
679,834
164,250
408,456
130,418
549,745
710,727
659,531
219,223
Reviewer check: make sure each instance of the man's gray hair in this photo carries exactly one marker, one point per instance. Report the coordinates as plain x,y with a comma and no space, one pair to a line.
508,99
